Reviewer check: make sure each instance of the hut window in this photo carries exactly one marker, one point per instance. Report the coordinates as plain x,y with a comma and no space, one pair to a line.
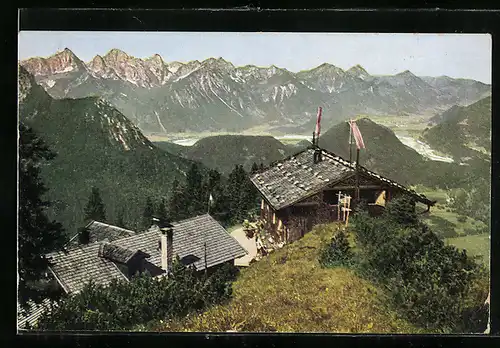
279,224
262,204
274,218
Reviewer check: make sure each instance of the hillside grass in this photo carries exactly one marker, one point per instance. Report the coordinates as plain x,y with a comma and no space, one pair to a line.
440,218
476,245
288,291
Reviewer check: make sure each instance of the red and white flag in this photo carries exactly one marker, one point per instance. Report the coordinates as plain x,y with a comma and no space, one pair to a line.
318,122
357,135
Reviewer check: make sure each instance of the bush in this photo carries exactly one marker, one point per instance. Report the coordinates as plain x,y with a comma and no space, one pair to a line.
122,305
402,211
337,252
462,218
429,282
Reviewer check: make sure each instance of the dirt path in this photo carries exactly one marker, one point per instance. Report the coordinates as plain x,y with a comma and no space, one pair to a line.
248,244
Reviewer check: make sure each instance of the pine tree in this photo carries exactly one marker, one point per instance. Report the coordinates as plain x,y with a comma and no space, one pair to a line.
194,200
37,234
237,194
176,209
120,219
94,210
255,168
161,211
147,215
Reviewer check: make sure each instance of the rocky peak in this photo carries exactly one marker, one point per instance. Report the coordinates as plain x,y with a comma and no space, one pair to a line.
115,56
61,62
156,59
174,66
218,63
406,74
97,63
358,71
328,67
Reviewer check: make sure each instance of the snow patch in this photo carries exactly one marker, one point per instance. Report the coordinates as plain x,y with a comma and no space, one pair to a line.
159,122
125,146
275,93
230,107
50,83
65,70
186,75
131,81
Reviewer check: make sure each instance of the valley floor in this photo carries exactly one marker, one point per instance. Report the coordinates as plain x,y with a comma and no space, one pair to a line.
288,291
441,219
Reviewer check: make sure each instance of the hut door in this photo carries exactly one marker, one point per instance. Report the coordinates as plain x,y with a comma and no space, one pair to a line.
303,226
309,223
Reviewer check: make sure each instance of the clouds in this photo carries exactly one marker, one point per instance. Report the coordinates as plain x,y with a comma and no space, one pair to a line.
455,55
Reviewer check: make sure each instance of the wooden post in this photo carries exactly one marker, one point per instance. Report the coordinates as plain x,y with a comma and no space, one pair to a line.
314,138
338,206
357,175
348,210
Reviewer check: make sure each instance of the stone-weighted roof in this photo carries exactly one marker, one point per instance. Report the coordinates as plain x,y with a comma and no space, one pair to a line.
100,231
77,266
32,314
297,177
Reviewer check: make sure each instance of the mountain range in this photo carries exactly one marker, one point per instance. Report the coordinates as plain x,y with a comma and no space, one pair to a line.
95,145
215,95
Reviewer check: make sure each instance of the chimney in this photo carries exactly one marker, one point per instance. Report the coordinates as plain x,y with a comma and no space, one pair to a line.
167,250
83,235
317,155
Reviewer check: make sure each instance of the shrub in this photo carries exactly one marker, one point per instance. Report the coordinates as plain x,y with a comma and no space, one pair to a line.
402,211
122,305
429,282
337,252
461,218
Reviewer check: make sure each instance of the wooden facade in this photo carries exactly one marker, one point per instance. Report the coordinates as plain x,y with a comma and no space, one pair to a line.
303,190
292,222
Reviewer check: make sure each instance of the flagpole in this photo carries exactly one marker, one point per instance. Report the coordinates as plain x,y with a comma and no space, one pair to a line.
350,141
357,174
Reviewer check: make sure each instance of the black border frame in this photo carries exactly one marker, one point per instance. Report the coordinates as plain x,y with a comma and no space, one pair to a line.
252,18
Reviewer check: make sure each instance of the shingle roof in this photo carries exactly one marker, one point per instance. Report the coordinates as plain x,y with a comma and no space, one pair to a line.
297,177
32,314
76,267
99,231
117,253
189,237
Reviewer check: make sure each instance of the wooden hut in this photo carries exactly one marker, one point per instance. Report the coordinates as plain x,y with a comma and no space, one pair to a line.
303,190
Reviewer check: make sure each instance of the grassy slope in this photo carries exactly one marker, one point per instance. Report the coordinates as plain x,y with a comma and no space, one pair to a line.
440,218
476,245
288,291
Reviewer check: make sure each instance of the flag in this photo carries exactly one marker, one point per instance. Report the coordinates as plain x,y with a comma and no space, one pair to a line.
210,200
318,122
357,135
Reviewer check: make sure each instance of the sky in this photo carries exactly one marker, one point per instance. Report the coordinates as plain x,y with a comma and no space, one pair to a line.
454,55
